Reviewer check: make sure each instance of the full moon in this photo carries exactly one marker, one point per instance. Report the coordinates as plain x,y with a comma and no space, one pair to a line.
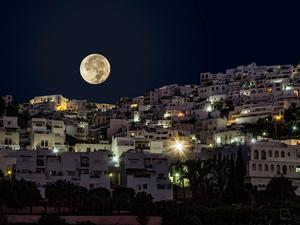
95,69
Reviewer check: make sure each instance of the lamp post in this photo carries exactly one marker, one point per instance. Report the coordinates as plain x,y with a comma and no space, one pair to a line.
178,148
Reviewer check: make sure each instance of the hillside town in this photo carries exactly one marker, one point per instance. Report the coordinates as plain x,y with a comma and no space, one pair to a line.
133,143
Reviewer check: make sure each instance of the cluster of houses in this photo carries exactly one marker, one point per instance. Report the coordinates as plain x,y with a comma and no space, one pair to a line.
131,143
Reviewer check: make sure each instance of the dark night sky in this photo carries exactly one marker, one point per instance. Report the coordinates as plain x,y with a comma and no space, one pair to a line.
148,43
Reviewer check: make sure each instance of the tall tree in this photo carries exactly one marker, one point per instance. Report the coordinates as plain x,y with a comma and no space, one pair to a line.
142,206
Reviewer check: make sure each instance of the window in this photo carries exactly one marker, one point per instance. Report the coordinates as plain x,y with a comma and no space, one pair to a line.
272,167
284,169
282,154
145,186
260,167
297,169
270,154
8,141
266,167
278,169
255,154
276,154
253,166
263,154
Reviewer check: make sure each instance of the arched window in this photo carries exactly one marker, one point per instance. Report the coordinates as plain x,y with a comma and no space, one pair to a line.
272,167
266,167
260,167
282,154
263,155
254,167
270,153
277,169
276,154
255,154
284,170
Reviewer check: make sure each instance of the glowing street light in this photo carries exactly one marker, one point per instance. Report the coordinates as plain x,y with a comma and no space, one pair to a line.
253,140
55,150
179,147
9,172
295,128
115,159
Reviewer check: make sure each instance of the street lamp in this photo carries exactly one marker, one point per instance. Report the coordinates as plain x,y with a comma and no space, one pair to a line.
179,147
55,150
295,128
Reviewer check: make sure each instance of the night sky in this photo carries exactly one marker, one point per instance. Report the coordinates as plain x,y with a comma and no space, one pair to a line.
149,43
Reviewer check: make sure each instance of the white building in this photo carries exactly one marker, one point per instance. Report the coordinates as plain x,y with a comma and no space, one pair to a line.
83,147
43,167
9,133
77,129
272,158
148,172
47,103
47,134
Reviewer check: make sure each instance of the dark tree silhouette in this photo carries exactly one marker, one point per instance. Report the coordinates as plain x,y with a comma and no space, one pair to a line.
18,193
51,220
122,198
142,205
281,187
64,193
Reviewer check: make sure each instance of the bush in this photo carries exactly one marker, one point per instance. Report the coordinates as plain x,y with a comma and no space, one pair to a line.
51,220
3,220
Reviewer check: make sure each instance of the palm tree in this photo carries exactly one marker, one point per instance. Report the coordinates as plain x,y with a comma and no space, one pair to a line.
178,173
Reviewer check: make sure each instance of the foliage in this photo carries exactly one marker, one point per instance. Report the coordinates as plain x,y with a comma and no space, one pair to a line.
278,191
3,220
142,205
18,193
51,220
64,193
96,201
122,198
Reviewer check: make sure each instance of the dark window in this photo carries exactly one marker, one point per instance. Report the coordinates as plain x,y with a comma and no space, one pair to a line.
263,154
255,154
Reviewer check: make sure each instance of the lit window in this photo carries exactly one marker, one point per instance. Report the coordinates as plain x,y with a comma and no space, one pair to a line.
297,169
